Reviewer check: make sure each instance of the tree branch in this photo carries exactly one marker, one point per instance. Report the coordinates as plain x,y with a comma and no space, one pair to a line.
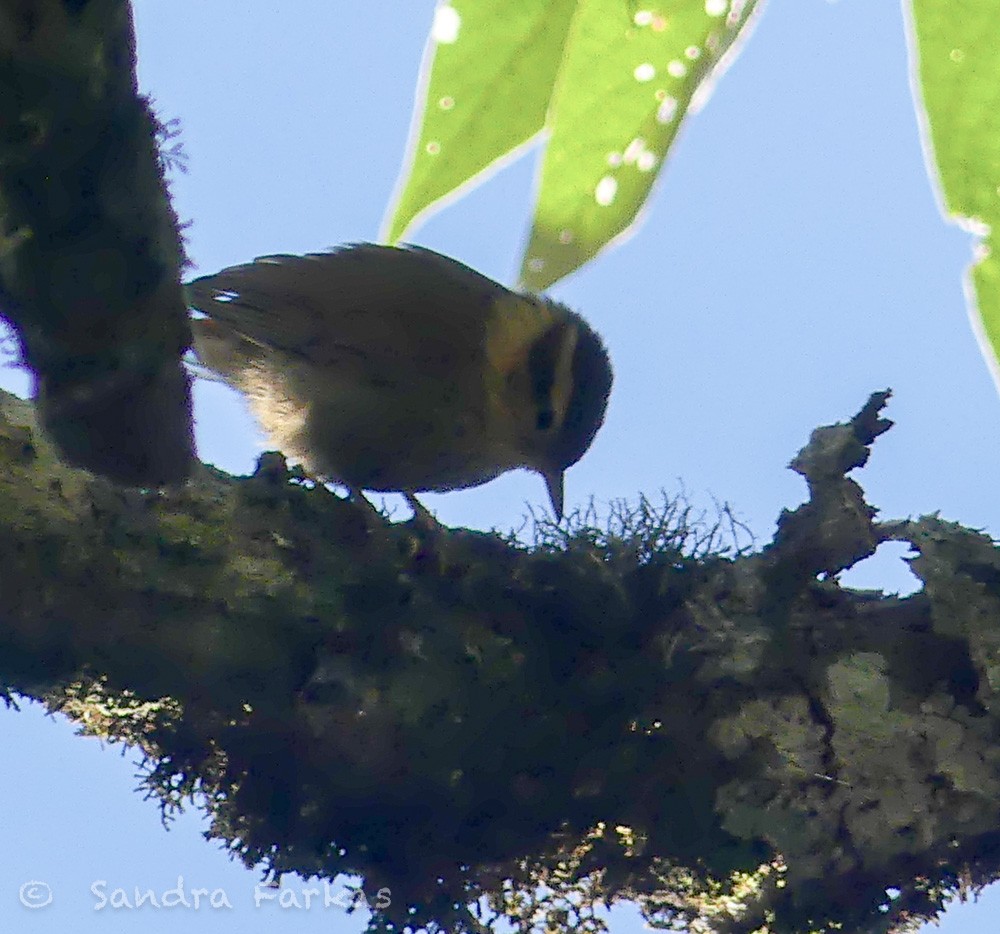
90,255
733,738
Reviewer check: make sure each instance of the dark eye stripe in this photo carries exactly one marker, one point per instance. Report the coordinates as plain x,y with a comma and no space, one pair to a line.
542,363
591,386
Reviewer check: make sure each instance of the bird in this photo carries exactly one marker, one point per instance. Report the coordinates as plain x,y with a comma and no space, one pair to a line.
397,368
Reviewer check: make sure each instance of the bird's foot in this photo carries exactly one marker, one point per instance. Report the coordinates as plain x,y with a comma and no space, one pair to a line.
421,514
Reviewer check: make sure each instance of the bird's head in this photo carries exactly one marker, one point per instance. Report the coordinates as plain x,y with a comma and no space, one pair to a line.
557,389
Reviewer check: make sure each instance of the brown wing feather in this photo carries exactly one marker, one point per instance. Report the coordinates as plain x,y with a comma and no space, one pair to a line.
377,302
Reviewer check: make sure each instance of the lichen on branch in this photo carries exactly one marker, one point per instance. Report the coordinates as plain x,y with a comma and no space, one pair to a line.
485,728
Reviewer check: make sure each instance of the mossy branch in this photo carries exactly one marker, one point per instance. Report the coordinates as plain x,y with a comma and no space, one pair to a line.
90,254
733,738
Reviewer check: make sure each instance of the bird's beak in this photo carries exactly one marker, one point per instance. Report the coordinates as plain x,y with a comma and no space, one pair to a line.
554,484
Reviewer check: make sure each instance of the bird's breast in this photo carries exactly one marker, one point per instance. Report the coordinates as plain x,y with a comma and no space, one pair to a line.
379,430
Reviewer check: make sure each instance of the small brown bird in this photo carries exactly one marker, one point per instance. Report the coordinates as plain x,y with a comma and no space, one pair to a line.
396,368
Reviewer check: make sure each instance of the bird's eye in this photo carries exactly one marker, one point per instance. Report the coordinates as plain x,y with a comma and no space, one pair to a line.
544,420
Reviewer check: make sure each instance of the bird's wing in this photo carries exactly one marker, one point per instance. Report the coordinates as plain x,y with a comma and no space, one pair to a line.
377,302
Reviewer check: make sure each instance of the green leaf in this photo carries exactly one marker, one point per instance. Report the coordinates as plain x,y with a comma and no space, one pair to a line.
610,81
958,52
629,75
488,72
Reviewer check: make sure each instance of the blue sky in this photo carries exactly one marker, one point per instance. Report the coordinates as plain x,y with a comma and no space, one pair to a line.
793,260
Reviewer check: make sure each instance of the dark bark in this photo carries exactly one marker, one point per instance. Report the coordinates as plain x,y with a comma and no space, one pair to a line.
89,251
611,713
